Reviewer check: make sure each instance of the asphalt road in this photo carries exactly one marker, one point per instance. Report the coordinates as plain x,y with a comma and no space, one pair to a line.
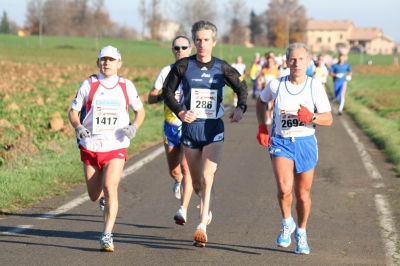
352,222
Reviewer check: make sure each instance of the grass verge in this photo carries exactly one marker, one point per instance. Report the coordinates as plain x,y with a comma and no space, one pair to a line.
373,102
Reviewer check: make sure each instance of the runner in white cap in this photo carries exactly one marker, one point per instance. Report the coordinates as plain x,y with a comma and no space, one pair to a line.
100,116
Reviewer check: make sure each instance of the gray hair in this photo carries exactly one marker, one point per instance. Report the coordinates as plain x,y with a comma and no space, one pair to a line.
295,46
204,25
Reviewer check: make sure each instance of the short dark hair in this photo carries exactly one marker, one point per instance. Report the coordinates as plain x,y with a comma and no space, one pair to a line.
178,37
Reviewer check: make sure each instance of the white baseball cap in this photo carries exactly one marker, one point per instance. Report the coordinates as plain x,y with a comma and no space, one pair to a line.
109,51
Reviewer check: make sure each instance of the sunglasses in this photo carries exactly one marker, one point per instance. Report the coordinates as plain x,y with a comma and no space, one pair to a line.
177,48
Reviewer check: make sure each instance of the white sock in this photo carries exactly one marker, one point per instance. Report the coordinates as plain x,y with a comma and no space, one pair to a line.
202,226
287,221
300,231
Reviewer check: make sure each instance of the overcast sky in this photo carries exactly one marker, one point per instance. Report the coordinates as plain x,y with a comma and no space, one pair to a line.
364,13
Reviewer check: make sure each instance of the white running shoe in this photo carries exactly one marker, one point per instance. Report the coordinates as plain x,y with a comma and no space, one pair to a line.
177,190
209,218
106,243
180,216
200,238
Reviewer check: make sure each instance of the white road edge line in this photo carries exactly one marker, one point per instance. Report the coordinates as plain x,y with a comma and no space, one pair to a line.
388,229
84,197
365,157
386,220
17,229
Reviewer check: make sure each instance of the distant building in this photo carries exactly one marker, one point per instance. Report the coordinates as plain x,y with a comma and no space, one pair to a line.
335,35
168,30
21,33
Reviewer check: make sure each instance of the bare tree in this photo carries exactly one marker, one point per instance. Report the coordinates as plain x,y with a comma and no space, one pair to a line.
154,19
143,10
124,32
55,17
190,11
80,17
33,16
101,19
286,22
236,16
72,18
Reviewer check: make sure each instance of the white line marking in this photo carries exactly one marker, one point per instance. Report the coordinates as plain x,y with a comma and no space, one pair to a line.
84,197
66,207
388,231
385,216
365,157
17,229
133,168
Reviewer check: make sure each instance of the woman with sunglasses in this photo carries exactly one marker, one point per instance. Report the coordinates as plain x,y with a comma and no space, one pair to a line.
177,164
200,107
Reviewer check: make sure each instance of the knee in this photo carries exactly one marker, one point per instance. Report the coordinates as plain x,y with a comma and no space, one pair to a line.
208,180
197,186
94,196
185,172
284,193
303,198
110,190
175,173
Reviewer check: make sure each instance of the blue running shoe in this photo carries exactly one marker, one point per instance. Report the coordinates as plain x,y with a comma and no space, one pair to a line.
284,238
301,244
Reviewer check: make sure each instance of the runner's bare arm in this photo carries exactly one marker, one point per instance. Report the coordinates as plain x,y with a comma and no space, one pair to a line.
323,119
155,96
73,116
139,117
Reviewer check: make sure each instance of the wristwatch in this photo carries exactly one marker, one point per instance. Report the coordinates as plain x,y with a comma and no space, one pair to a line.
313,118
243,107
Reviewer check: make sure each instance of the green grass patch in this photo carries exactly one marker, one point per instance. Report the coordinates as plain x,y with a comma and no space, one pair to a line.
373,102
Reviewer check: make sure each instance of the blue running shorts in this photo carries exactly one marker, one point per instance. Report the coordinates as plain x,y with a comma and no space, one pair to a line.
172,134
202,132
302,150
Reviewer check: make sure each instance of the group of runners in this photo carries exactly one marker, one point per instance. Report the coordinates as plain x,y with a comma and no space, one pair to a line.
192,89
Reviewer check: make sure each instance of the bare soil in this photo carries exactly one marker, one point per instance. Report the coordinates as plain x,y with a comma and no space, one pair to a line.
23,79
377,70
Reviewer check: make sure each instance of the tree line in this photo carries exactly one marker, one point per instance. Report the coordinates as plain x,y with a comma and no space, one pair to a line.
282,21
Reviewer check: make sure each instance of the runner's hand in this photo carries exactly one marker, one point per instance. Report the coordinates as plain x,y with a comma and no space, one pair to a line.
81,132
187,116
263,135
130,131
236,115
304,114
